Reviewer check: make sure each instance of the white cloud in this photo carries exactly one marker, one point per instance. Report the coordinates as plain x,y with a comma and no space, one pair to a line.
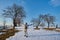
55,3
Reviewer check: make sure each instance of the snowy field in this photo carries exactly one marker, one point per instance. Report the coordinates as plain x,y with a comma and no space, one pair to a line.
36,35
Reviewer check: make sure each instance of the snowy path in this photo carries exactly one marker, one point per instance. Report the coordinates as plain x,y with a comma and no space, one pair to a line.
36,35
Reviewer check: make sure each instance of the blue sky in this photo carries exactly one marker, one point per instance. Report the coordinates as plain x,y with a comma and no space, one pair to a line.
33,8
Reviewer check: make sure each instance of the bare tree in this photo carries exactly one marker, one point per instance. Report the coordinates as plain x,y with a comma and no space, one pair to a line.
14,12
49,19
4,23
35,22
38,21
42,24
43,18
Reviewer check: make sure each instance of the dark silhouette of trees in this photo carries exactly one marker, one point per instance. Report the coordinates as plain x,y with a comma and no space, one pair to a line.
56,25
38,21
43,18
49,19
15,12
4,23
42,24
35,22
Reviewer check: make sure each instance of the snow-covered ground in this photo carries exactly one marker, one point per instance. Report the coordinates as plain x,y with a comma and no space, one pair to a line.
36,35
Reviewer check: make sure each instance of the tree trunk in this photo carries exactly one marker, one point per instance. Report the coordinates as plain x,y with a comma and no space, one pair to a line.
48,24
37,27
14,23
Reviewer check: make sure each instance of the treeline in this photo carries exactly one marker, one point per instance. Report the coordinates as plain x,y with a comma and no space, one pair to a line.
17,14
41,20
